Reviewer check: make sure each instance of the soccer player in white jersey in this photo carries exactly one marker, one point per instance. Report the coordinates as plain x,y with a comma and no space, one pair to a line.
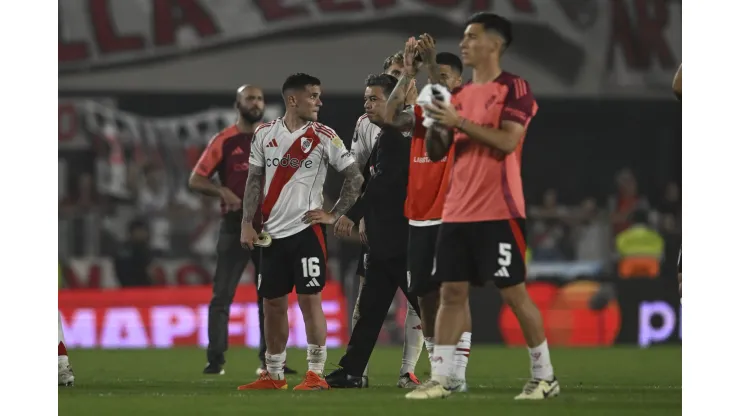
291,155
65,374
363,141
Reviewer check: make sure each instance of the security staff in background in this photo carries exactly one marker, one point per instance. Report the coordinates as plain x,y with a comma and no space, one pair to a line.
382,207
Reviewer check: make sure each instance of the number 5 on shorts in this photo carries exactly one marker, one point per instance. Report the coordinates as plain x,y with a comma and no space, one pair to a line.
310,267
504,251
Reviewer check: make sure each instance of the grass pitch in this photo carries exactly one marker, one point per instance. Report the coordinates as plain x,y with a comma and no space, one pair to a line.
614,381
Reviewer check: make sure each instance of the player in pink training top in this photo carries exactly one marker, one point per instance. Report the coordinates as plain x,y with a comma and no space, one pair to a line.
482,236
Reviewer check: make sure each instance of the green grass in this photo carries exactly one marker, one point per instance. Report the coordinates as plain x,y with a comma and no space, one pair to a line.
615,381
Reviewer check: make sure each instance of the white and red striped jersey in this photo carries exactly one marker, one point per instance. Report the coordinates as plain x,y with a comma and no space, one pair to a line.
363,140
295,169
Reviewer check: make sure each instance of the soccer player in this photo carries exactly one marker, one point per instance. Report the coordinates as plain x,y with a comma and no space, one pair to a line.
227,155
362,144
426,190
65,374
482,236
291,155
387,232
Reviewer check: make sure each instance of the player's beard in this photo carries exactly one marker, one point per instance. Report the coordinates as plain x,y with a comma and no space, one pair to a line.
252,116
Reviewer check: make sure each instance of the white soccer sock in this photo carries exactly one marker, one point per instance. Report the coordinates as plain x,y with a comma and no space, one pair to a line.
429,342
462,353
412,341
276,365
539,356
61,332
443,363
316,356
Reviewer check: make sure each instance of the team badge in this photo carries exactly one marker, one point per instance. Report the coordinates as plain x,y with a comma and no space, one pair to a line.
306,143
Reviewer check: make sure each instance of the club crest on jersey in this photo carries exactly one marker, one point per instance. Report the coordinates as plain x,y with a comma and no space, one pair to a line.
306,143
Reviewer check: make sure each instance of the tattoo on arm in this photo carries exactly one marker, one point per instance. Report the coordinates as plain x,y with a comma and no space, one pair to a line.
252,193
435,77
350,190
438,142
394,108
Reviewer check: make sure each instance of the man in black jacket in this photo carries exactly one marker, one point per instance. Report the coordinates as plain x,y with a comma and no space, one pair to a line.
387,232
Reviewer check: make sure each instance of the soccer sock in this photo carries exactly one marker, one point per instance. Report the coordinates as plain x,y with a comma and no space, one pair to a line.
443,363
316,356
412,341
539,356
275,365
62,349
429,342
461,356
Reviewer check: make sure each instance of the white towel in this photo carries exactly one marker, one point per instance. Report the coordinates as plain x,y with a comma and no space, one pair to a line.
425,97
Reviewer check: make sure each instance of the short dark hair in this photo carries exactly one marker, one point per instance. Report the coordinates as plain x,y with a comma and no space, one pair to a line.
299,81
450,59
396,58
385,81
640,216
494,22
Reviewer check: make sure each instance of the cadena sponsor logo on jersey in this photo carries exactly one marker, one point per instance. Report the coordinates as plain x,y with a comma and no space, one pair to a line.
288,161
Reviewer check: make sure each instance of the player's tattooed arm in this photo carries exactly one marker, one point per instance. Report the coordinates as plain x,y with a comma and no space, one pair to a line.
252,193
394,114
350,190
438,142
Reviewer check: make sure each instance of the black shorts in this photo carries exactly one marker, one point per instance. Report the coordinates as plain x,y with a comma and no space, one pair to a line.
298,260
420,263
362,261
481,251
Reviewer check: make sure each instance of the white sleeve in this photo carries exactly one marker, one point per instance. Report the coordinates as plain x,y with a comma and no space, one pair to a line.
361,148
257,154
339,157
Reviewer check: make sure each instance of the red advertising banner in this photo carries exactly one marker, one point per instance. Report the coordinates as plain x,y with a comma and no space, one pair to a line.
178,316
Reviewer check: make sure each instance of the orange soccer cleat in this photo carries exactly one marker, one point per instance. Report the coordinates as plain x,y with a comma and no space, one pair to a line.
265,382
312,382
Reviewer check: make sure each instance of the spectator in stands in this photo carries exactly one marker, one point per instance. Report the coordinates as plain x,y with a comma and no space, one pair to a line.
640,248
591,233
135,256
549,232
626,201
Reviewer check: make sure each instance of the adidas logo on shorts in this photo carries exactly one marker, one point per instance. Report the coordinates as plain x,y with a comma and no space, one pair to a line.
313,283
502,272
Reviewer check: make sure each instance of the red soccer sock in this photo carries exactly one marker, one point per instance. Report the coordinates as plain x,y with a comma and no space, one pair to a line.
62,349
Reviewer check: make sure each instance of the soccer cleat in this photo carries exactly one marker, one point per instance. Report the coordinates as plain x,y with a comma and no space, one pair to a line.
408,381
538,389
339,379
312,381
458,386
66,375
265,382
213,368
429,390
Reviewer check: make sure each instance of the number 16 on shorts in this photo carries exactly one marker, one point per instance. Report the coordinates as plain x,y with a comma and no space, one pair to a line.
311,271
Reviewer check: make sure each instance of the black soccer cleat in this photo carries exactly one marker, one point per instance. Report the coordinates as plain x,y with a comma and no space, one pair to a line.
289,370
339,379
214,369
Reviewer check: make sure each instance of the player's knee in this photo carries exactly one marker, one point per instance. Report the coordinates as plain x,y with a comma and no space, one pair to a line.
276,306
310,306
516,296
454,293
